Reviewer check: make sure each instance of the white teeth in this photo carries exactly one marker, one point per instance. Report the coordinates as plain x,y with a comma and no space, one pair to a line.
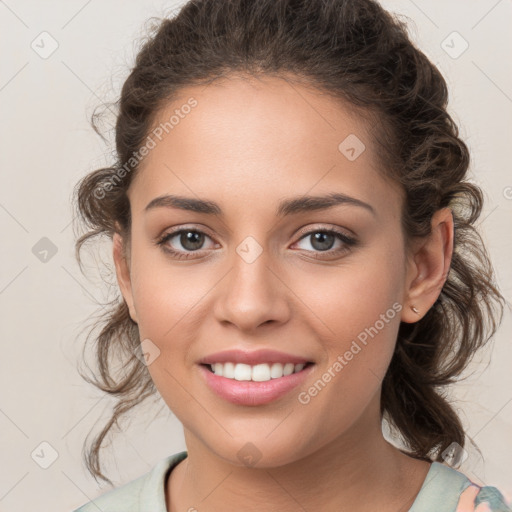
276,370
242,372
257,373
260,372
288,368
228,370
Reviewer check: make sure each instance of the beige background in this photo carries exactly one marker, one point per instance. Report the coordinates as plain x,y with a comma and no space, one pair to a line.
47,145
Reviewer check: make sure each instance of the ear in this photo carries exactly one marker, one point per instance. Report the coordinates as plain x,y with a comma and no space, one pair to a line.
428,266
123,273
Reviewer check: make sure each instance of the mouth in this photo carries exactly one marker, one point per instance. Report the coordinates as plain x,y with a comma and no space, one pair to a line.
253,385
261,372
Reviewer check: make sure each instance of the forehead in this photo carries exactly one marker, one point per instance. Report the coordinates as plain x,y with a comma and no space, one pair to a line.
255,141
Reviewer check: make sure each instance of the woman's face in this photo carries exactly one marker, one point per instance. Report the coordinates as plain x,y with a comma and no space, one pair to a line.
252,274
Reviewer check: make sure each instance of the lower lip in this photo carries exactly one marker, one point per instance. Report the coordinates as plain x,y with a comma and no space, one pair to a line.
246,392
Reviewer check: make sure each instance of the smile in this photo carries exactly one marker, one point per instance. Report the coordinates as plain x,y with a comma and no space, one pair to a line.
256,373
241,387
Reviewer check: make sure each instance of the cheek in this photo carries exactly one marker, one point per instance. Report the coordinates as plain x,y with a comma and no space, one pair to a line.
359,308
352,297
164,294
364,321
167,300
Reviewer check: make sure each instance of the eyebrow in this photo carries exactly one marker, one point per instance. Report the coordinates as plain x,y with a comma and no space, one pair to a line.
286,207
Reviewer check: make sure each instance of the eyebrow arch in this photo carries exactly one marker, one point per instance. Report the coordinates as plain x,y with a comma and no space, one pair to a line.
286,207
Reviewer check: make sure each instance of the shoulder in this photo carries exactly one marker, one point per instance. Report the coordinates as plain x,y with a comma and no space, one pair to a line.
443,487
147,490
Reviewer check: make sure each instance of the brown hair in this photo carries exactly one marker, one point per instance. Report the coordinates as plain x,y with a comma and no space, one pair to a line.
361,54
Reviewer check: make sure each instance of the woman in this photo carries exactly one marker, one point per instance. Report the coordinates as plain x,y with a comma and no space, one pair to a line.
294,242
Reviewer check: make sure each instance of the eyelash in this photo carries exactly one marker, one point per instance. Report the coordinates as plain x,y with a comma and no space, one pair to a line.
348,242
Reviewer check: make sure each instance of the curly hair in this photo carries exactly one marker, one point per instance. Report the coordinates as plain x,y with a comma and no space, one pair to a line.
361,54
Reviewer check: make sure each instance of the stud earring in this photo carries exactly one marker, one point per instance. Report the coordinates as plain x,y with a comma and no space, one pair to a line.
415,310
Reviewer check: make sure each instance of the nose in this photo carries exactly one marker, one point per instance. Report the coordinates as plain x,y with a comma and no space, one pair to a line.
252,294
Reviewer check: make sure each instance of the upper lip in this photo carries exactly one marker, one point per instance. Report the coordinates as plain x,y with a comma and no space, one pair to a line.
252,357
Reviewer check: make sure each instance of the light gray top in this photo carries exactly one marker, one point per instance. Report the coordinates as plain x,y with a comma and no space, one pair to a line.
440,491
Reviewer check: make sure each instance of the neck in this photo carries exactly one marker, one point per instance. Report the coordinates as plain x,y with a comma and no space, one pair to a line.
370,470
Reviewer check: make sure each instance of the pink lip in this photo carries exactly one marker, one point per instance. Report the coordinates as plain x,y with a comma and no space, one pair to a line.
253,393
252,357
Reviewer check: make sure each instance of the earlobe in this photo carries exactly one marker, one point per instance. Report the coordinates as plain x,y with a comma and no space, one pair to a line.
123,273
430,266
